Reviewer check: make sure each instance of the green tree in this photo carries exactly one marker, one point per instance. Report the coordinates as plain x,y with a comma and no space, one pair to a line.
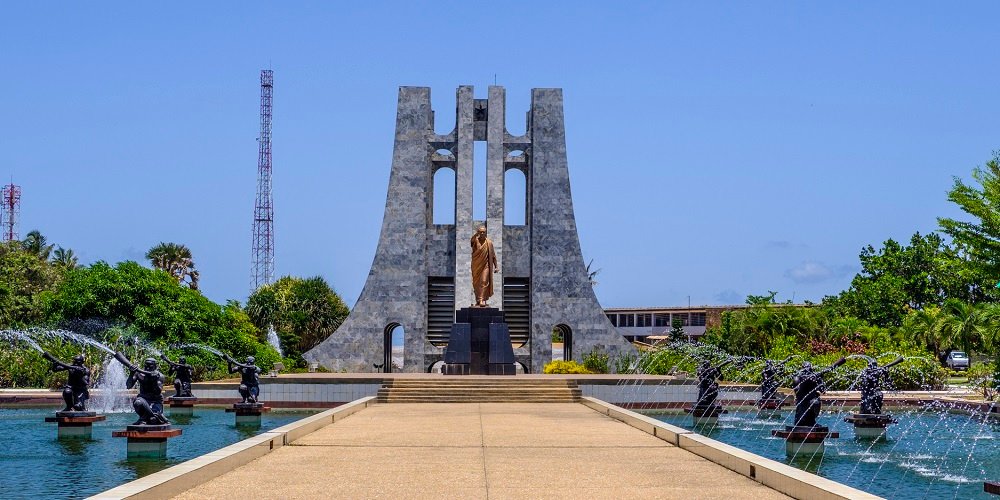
37,245
980,237
154,304
64,258
926,327
303,312
677,330
24,278
176,260
897,278
963,325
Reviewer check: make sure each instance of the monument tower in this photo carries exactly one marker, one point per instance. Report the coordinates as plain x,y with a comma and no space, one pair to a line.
421,273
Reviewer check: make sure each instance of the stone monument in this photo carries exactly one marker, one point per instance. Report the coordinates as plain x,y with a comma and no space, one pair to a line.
422,272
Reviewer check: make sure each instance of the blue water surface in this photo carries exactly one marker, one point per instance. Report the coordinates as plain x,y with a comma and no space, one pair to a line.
928,454
34,463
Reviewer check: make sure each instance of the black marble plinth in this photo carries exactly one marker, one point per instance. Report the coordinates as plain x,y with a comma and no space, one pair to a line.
479,344
75,414
147,428
870,419
804,433
705,411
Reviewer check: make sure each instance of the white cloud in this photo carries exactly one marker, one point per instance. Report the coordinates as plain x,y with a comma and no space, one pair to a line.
816,272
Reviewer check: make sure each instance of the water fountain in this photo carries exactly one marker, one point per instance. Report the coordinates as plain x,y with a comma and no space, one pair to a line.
870,422
248,411
147,437
272,338
806,436
74,420
706,410
182,402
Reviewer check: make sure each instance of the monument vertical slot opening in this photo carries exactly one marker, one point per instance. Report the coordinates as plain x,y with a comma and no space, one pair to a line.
479,181
444,196
515,201
394,354
562,343
445,110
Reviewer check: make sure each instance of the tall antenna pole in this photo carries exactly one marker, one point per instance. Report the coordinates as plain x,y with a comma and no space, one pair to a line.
263,213
10,211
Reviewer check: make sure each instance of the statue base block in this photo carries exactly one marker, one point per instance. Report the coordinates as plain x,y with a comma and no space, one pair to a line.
871,425
248,413
705,414
75,423
183,405
804,439
148,441
992,487
770,404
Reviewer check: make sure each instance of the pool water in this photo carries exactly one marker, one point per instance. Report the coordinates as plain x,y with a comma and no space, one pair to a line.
928,454
34,463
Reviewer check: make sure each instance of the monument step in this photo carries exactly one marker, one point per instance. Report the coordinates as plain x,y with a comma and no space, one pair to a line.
481,399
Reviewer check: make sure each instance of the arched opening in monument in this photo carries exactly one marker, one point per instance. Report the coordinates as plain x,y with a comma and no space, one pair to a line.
436,367
444,196
445,108
562,343
393,352
515,199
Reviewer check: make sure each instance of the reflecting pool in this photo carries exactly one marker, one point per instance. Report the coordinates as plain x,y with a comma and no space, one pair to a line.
928,454
37,464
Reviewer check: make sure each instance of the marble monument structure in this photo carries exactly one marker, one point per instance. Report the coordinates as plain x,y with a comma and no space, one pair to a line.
421,274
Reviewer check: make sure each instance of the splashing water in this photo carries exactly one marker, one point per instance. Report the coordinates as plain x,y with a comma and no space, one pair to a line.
203,348
272,338
110,395
17,335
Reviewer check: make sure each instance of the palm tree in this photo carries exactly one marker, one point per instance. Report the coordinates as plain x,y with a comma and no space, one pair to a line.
963,322
175,260
927,327
65,258
35,243
592,275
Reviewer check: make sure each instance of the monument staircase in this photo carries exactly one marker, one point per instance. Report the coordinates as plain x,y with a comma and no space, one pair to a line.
466,389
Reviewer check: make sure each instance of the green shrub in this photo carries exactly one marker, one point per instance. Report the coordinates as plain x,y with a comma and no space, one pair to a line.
596,361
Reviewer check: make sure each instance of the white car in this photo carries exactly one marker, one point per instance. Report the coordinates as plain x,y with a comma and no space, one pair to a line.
957,360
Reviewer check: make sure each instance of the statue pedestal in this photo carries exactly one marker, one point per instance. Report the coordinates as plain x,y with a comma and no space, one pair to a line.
804,440
183,405
705,414
148,441
991,487
479,344
73,424
770,407
870,425
248,414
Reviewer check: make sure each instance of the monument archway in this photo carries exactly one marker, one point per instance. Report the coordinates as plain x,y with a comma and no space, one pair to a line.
394,342
567,340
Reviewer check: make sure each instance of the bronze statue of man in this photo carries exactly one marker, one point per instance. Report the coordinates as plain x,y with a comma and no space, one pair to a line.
484,265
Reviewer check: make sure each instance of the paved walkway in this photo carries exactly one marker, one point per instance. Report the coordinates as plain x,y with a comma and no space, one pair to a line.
487,450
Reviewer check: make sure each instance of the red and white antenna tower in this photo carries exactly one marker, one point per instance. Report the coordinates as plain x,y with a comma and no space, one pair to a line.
10,211
263,213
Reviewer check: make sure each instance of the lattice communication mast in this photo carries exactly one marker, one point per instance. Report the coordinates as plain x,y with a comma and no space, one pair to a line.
10,211
263,214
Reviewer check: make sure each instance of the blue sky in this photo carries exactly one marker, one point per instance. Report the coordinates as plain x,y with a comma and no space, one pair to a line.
715,150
